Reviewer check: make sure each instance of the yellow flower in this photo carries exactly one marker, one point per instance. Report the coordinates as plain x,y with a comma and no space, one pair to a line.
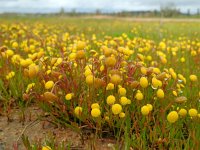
10,75
110,100
26,62
115,79
95,112
172,116
106,118
15,45
95,105
182,112
156,83
193,112
122,91
33,71
107,51
88,67
110,61
80,45
149,58
145,110
31,85
150,107
102,68
40,54
160,93
122,115
68,96
193,53
88,72
90,79
143,70
140,57
49,85
48,72
163,60
116,109
58,62
78,110
80,54
46,148
174,75
110,86
9,53
193,78
72,56
156,70
174,93
139,96
143,82
123,100
162,45
182,59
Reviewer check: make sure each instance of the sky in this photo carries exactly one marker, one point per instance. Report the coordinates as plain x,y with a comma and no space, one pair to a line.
51,6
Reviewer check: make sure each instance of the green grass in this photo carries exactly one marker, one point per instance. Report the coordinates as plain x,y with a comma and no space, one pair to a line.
155,30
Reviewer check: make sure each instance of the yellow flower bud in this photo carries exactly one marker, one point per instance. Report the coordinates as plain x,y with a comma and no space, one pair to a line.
143,70
69,96
150,107
156,83
95,112
110,61
172,116
122,115
80,54
182,112
110,100
139,96
15,45
9,53
46,148
116,109
95,105
110,86
90,79
193,78
143,82
193,112
78,110
122,91
115,79
87,72
123,100
160,93
80,45
32,71
145,110
49,85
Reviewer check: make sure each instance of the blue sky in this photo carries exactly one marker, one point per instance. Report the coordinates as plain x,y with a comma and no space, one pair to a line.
45,6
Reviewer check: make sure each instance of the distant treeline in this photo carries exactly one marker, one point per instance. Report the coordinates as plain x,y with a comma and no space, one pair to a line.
169,11
166,11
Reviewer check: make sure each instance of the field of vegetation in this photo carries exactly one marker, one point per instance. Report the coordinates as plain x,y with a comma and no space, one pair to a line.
135,83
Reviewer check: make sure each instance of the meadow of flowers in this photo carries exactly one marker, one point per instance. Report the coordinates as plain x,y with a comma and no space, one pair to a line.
137,83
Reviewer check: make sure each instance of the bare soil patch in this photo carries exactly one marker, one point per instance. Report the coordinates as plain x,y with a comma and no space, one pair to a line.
10,132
